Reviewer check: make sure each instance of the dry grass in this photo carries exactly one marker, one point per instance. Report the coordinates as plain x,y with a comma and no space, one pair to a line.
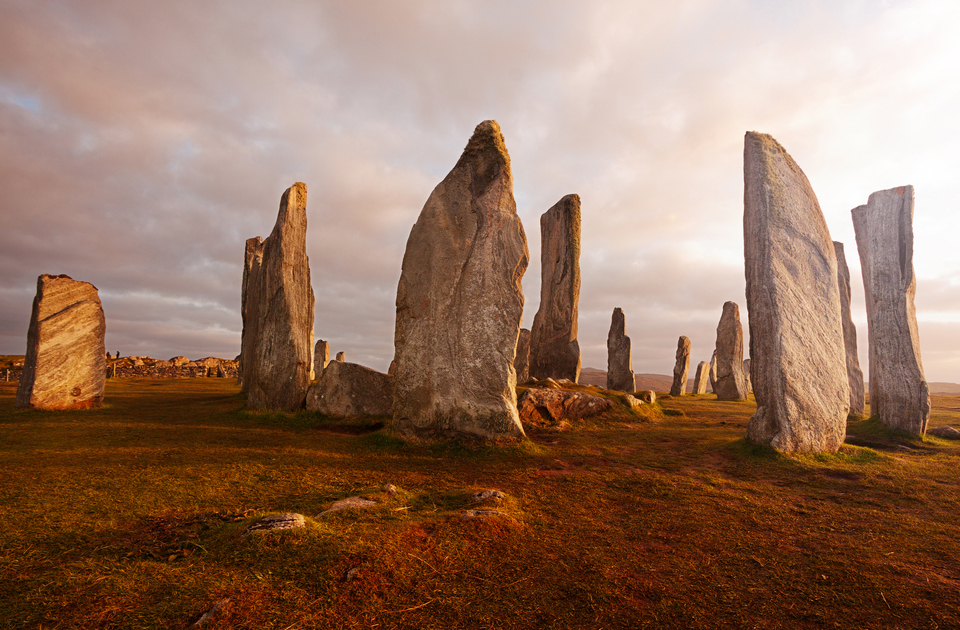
130,517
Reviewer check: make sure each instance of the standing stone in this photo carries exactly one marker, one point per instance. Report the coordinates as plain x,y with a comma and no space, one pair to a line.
249,311
321,357
713,371
277,369
459,301
796,336
730,383
746,375
619,362
348,389
681,368
65,366
854,373
341,357
521,363
701,378
898,389
554,349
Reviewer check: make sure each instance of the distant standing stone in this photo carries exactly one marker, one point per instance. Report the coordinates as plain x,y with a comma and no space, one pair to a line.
899,395
854,373
249,312
796,336
730,383
341,357
681,368
521,363
65,366
348,389
713,372
746,375
554,349
321,357
460,300
701,378
619,361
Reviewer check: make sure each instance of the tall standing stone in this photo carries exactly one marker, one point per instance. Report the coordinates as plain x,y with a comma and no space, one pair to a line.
277,373
729,383
854,373
521,363
796,336
249,308
554,349
321,357
619,362
898,389
65,366
713,371
459,301
701,378
681,368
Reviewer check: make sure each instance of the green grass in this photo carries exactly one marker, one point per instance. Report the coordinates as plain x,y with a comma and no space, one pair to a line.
131,516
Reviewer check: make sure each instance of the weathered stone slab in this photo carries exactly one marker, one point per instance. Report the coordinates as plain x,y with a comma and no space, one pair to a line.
730,383
278,374
65,366
459,302
554,349
249,311
854,373
276,522
681,368
521,363
544,406
321,357
899,395
796,335
347,389
620,375
701,378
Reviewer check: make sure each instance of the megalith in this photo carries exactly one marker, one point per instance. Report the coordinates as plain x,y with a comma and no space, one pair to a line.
341,357
276,372
854,373
619,362
249,309
460,301
347,389
554,349
701,378
797,353
746,375
713,371
65,366
521,363
729,383
898,389
321,357
681,368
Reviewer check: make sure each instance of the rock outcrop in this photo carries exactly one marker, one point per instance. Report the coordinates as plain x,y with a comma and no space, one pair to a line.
276,363
729,383
554,349
899,395
65,366
701,378
854,373
542,407
521,363
460,301
347,389
796,336
681,368
321,357
619,361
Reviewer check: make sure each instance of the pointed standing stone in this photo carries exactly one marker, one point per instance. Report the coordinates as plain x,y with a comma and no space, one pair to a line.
796,336
459,302
700,380
898,389
65,366
681,368
713,372
554,349
619,362
521,363
854,373
249,309
729,383
278,373
321,356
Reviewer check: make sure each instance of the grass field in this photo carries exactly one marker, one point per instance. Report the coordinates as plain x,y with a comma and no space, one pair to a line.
131,516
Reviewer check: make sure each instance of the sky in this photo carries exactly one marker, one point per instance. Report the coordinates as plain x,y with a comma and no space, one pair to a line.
142,143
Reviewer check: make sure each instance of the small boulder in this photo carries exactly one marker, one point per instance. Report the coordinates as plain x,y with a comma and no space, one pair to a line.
544,407
275,522
350,503
947,433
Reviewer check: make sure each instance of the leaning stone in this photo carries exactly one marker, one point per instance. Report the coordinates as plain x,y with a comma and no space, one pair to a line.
730,383
347,390
619,363
65,365
947,433
554,349
796,335
460,301
321,357
542,407
276,522
899,395
854,373
350,503
701,378
521,363
681,368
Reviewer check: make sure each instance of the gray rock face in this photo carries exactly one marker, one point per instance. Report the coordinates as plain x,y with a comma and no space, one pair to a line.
701,378
347,389
521,363
681,368
730,383
898,389
796,336
280,299
321,356
249,310
713,371
459,302
854,373
746,375
554,349
619,362
65,366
